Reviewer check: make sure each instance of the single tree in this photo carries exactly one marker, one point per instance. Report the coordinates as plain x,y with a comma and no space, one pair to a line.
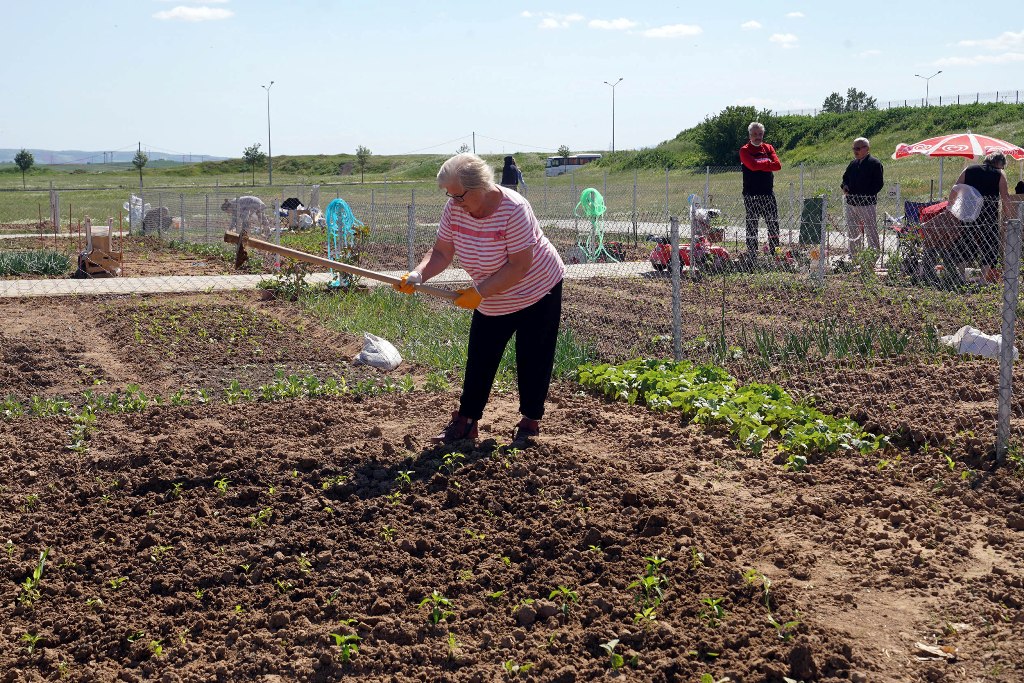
139,161
254,157
24,160
721,136
834,104
463,148
564,151
362,156
858,100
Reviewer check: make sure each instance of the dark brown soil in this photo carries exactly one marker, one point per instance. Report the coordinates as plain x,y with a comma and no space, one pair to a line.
156,572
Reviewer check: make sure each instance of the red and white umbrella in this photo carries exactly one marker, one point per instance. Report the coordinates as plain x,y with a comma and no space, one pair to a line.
968,145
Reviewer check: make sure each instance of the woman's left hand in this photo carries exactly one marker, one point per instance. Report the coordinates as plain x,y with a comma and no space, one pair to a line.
468,298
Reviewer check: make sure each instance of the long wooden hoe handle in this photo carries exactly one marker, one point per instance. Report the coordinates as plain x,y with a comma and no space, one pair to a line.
243,240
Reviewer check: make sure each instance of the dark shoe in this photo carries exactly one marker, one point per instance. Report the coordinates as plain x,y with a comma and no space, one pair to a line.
458,429
524,433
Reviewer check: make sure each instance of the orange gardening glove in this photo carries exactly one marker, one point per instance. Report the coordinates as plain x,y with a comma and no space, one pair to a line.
468,298
408,281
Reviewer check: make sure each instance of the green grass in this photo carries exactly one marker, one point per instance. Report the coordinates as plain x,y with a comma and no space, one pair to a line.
39,262
429,333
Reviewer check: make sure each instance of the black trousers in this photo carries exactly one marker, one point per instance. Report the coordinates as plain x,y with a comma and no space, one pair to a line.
536,331
761,206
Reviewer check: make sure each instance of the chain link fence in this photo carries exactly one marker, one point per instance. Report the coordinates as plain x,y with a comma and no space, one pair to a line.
673,267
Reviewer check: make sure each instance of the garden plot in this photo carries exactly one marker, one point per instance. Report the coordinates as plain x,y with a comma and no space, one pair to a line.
317,538
267,520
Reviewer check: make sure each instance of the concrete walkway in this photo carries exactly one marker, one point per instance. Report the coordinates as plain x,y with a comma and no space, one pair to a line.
214,283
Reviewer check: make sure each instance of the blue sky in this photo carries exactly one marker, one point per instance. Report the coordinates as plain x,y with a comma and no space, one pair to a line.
400,77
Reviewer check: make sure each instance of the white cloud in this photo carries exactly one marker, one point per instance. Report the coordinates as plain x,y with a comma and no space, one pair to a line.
673,31
750,25
620,24
870,53
182,13
979,60
1005,41
550,20
795,15
786,40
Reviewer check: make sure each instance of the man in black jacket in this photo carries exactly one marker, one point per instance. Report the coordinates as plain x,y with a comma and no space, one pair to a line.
862,182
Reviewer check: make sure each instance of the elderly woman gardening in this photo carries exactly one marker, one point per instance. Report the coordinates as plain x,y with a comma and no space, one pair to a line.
517,289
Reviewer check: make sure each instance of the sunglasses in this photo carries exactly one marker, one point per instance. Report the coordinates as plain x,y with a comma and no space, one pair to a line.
459,198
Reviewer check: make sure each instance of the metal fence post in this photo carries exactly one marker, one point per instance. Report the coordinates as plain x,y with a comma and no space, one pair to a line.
675,266
207,219
373,208
635,225
411,231
822,247
181,220
801,186
666,193
694,262
707,187
1011,287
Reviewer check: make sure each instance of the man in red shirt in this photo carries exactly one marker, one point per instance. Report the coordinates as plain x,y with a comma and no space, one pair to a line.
759,163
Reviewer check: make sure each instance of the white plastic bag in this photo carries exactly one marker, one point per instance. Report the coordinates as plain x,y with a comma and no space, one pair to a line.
378,353
970,340
966,202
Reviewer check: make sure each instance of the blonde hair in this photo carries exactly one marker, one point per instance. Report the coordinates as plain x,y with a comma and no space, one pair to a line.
471,171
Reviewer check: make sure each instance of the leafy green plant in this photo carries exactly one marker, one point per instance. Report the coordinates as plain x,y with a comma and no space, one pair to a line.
451,462
795,462
118,582
513,669
157,648
32,641
221,485
347,645
785,630
564,597
261,518
713,612
615,660
439,607
30,586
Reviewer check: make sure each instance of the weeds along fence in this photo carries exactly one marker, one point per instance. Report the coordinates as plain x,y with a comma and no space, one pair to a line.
826,310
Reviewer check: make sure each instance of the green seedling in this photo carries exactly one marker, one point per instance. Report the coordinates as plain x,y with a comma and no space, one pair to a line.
388,533
118,583
564,596
245,567
95,603
157,648
239,609
199,593
31,503
696,558
756,579
30,586
9,547
784,630
183,635
513,669
261,518
222,485
395,497
176,489
713,612
595,549
135,635
453,647
496,595
795,462
346,645
475,535
283,586
404,478
451,462
438,606
32,641
305,566
615,660
158,552
645,616
331,482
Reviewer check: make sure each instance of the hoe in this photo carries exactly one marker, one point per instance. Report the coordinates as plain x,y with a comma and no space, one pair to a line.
243,240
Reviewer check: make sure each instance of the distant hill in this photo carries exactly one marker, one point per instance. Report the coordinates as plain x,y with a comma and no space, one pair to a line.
78,156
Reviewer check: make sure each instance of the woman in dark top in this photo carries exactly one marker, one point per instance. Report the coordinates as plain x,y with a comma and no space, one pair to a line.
511,176
981,237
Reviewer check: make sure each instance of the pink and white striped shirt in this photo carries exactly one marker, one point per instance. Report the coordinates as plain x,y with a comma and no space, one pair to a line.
484,244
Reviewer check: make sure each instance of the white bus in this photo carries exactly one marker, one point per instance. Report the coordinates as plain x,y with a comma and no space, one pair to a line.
560,165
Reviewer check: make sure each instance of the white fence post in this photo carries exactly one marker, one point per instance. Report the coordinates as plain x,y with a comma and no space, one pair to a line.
674,267
1011,287
411,232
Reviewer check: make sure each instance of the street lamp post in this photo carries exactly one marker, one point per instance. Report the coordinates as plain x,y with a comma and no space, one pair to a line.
613,109
926,79
270,153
